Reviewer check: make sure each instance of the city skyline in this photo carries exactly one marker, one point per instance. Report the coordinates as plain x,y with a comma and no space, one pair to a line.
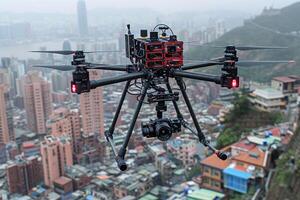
69,6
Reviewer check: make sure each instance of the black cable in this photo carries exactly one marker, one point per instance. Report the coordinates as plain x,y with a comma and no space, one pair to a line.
165,26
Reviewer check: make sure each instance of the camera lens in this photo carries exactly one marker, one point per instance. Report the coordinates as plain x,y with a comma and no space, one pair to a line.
163,131
147,130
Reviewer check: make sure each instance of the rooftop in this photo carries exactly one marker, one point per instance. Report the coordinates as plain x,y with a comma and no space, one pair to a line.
244,144
268,93
261,141
214,161
148,197
204,194
284,79
62,180
276,132
255,157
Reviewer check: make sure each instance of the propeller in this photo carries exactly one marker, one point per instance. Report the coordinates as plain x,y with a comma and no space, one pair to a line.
70,52
241,48
57,67
88,66
243,63
246,63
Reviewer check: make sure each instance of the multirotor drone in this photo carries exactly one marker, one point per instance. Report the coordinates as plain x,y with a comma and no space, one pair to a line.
155,59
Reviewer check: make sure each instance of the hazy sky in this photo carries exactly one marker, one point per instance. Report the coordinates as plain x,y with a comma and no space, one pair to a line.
69,6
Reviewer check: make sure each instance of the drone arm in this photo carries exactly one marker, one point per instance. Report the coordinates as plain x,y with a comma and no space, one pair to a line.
197,76
197,66
112,127
117,79
190,108
122,151
199,133
109,133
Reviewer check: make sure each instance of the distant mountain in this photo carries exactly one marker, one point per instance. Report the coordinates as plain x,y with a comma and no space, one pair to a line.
271,28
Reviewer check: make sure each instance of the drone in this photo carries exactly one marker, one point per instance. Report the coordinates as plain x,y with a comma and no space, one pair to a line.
155,60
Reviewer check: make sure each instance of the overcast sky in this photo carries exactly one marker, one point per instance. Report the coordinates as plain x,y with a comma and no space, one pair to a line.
69,6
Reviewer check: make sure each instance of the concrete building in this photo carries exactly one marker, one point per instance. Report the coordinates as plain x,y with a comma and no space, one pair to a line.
3,154
64,187
56,155
89,149
288,85
247,162
23,174
38,101
31,148
284,84
268,99
212,173
6,116
65,122
82,18
91,108
79,175
137,185
183,149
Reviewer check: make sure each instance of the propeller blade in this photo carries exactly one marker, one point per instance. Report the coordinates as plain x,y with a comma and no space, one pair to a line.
241,48
247,48
102,51
246,63
200,64
219,59
70,52
107,67
56,52
57,67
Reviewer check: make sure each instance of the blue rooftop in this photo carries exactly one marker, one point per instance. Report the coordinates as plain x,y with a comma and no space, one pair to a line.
237,173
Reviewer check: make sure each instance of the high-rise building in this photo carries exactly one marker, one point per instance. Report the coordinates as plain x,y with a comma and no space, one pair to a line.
65,122
6,116
23,174
82,18
37,101
66,45
56,155
91,108
60,81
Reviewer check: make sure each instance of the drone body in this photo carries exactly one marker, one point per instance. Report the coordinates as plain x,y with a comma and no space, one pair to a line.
155,60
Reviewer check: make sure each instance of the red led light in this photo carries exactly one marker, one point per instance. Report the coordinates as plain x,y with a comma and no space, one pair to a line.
73,88
234,83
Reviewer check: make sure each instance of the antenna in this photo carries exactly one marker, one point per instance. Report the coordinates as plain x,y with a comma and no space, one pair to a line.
128,27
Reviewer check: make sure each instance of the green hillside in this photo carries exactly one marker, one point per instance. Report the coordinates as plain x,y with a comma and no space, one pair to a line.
285,182
272,30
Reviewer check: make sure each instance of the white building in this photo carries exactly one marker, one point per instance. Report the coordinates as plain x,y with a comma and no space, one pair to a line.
268,99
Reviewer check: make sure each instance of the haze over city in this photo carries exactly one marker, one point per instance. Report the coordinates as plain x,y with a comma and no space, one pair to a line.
149,100
168,6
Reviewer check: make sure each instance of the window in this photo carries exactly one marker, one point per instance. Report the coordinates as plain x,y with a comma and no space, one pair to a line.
205,180
206,170
215,184
216,173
